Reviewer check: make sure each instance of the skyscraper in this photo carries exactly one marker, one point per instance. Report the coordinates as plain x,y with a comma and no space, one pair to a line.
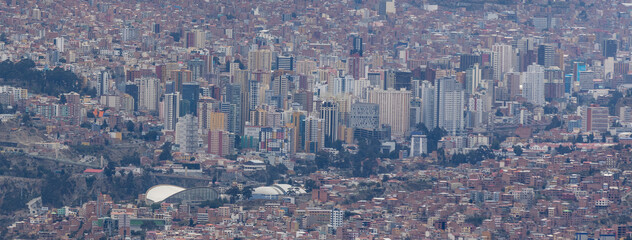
546,55
197,68
132,90
285,63
329,113
187,133
533,84
103,83
418,144
148,91
595,119
314,139
220,143
449,103
472,79
468,60
190,96
260,60
502,60
365,116
171,110
357,46
394,108
609,48
427,103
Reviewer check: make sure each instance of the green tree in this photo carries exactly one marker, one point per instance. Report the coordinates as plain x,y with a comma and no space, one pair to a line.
555,123
310,185
517,150
247,192
166,152
130,126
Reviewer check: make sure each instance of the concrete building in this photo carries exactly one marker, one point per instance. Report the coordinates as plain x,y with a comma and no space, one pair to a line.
394,106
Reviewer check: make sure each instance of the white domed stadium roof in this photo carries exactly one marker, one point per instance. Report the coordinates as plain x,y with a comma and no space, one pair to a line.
267,191
159,193
278,189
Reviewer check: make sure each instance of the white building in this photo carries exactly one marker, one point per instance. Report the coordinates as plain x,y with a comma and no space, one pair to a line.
502,60
533,84
394,108
148,93
449,103
187,133
171,110
418,144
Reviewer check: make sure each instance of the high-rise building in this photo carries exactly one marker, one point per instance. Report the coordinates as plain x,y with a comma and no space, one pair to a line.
512,80
204,110
356,66
403,79
336,218
472,79
546,55
73,102
103,83
195,39
365,116
285,63
427,104
233,97
595,119
187,133
132,90
609,48
394,108
330,114
502,60
197,68
554,83
129,33
220,143
260,60
314,139
180,77
190,96
148,93
586,80
418,144
59,44
468,60
171,110
357,46
449,103
533,84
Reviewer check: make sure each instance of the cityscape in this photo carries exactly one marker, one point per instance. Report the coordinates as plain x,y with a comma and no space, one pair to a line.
316,119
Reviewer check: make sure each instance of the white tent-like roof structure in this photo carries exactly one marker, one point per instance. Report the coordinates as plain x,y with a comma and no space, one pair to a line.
161,192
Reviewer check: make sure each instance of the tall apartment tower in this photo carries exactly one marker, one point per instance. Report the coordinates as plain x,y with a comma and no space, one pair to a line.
533,84
329,113
546,55
609,48
171,110
449,103
502,60
260,60
148,93
394,108
472,79
187,133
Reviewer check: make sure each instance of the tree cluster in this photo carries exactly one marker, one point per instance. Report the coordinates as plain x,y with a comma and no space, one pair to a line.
51,82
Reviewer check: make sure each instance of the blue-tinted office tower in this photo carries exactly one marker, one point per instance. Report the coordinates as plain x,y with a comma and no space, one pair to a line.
191,95
568,83
132,90
170,87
